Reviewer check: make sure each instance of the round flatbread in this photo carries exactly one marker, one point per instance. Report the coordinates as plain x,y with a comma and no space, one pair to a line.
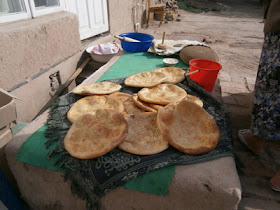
141,104
144,137
162,94
120,96
156,106
174,75
145,79
193,99
188,127
90,104
130,107
92,136
100,88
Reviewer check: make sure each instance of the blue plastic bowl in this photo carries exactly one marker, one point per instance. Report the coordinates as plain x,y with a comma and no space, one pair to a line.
142,46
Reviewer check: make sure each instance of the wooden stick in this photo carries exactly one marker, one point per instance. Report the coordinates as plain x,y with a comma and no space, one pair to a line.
64,86
163,36
162,45
126,39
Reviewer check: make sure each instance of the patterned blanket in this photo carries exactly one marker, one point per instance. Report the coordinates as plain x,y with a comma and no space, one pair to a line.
92,179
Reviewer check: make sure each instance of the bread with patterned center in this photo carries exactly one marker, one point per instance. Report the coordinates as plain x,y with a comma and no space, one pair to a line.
91,136
141,104
193,99
162,94
120,96
90,104
188,127
156,106
174,75
130,107
100,88
145,79
144,137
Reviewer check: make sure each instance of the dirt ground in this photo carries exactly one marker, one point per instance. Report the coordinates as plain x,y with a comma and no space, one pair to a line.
234,29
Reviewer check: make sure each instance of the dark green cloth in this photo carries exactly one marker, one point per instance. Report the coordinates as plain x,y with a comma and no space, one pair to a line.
132,63
34,152
155,182
91,179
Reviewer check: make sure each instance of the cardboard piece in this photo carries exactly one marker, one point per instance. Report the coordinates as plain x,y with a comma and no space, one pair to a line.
7,109
7,115
5,137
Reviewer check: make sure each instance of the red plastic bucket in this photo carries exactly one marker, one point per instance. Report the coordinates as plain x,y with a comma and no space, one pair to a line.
204,72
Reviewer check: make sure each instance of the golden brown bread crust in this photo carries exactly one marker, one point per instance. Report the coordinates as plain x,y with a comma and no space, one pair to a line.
156,106
145,79
144,137
120,96
100,88
141,104
191,98
91,136
162,94
195,100
130,107
174,75
188,127
90,104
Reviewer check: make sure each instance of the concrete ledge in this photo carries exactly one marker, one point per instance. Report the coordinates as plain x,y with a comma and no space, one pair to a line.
212,185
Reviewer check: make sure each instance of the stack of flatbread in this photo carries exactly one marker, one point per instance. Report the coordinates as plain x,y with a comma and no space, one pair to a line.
172,75
144,123
100,88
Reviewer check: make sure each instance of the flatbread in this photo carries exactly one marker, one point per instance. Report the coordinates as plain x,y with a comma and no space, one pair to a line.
174,75
188,127
90,104
155,106
100,88
141,104
193,99
162,94
144,137
145,79
91,136
130,107
120,96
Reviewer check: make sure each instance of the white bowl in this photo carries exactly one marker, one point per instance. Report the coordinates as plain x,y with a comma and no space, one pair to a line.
170,61
100,58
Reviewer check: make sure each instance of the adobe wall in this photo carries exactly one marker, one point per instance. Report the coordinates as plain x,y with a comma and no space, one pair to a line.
121,17
31,50
29,46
